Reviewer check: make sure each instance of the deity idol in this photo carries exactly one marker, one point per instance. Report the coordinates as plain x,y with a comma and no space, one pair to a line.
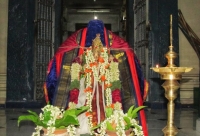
97,68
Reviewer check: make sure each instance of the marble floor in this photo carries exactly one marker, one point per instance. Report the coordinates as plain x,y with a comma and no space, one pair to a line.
184,119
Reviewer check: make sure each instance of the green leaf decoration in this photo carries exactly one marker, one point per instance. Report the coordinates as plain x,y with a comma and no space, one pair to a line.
74,84
109,126
47,117
69,112
66,121
61,127
129,113
128,123
81,110
115,85
32,118
95,127
134,111
109,112
33,113
76,111
69,118
127,119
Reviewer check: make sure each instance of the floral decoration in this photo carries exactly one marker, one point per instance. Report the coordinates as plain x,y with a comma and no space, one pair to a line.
118,121
52,118
104,70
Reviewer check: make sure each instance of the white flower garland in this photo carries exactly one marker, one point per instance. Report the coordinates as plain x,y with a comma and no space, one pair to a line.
54,113
71,130
107,72
89,60
114,75
75,70
102,72
97,76
106,68
37,131
118,118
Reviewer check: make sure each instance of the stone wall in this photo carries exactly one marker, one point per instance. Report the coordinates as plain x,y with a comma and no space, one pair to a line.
188,57
3,50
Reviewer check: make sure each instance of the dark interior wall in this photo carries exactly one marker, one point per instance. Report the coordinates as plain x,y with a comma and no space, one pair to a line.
130,22
57,20
20,50
159,40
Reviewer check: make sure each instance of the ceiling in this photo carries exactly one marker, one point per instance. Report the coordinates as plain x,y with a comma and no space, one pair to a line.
93,5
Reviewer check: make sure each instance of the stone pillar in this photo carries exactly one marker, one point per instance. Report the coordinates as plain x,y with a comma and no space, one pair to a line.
20,50
3,59
159,20
3,50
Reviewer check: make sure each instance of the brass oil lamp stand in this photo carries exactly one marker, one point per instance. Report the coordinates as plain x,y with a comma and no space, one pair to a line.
171,74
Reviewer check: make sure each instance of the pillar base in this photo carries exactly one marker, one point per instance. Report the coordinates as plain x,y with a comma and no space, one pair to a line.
198,125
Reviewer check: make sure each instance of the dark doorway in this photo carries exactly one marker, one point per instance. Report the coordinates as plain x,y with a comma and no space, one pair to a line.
79,26
83,25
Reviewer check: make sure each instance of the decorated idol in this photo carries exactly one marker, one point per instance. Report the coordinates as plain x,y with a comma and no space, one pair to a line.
95,68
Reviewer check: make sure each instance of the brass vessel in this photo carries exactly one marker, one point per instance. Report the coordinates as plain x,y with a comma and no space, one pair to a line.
171,73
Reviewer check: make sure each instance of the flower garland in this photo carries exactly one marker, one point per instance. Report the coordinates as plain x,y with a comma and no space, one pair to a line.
90,68
103,70
71,129
117,120
75,75
98,69
107,72
75,70
51,114
37,131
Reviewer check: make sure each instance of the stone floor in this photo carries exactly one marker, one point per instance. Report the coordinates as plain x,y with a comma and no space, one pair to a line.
185,121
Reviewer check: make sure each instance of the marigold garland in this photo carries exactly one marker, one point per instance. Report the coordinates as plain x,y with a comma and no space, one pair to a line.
102,70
